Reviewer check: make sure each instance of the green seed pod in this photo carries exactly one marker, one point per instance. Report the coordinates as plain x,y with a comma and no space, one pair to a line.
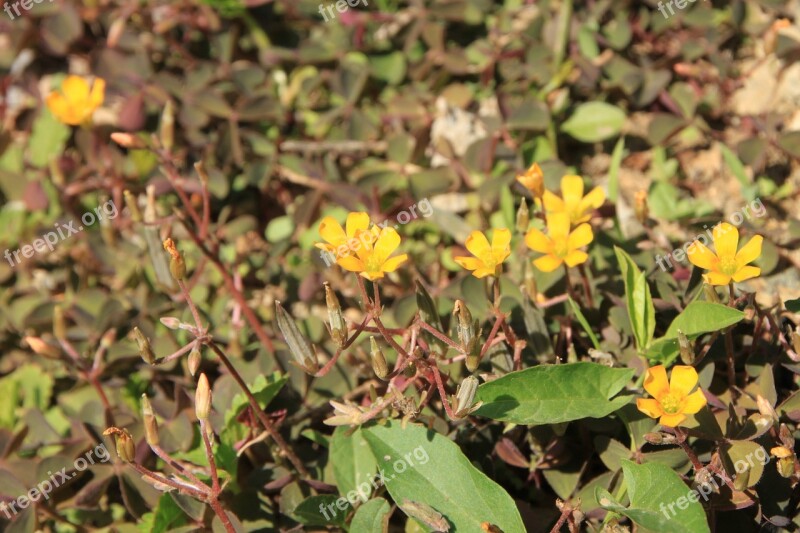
686,348
465,397
177,266
167,129
429,315
379,365
335,318
426,514
202,398
145,350
150,423
194,360
299,346
523,216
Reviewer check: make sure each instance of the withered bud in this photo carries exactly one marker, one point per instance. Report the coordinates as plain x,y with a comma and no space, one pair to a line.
785,457
202,398
59,325
379,365
786,437
465,397
711,293
133,206
640,207
686,348
177,265
150,423
468,334
523,216
127,140
194,360
660,438
426,514
335,318
300,348
126,450
766,409
145,350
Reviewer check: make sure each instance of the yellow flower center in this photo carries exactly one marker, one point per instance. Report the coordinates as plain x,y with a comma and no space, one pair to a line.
671,404
560,248
372,264
728,266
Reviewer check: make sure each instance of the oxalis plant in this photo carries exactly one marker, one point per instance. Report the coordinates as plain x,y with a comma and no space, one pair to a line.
700,443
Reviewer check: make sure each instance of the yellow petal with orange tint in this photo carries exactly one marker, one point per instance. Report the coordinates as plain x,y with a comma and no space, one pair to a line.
650,407
683,380
478,245
672,420
699,255
694,402
655,381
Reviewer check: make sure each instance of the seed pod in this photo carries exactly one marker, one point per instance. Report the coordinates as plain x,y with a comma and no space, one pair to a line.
167,129
429,315
530,283
465,397
426,514
299,346
711,293
335,318
641,209
660,438
466,327
686,349
202,398
194,360
378,360
126,450
59,326
145,350
150,423
133,206
523,216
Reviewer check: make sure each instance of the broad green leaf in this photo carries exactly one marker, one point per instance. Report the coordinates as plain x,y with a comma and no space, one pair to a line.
594,121
744,458
699,317
641,311
793,305
353,462
549,394
421,465
47,139
166,516
264,388
737,169
372,517
322,510
660,500
613,169
582,320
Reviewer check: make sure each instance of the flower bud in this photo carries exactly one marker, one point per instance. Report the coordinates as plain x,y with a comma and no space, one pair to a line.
470,341
150,423
167,128
133,206
530,287
171,322
194,360
59,325
533,180
711,293
640,207
523,216
177,267
40,347
299,346
335,318
660,438
145,350
202,398
686,348
126,450
429,314
465,397
378,360
127,140
426,515
201,171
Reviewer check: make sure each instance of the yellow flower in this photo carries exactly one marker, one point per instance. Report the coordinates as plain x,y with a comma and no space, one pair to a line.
533,180
671,400
727,264
339,242
559,245
574,203
371,258
76,103
487,257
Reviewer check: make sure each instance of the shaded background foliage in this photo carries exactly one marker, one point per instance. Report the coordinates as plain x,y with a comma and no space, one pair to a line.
389,104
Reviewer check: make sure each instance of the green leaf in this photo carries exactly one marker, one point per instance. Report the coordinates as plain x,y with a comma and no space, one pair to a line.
166,516
793,305
264,388
613,169
423,466
352,459
655,490
372,517
699,317
735,166
594,122
550,394
641,311
47,139
583,322
321,510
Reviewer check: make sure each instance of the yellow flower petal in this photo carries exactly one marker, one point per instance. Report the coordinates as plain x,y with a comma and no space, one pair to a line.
478,245
726,240
716,278
356,222
386,244
548,263
501,241
575,257
749,251
331,231
572,190
75,90
558,226
699,255
537,241
593,200
351,263
483,271
470,263
672,420
392,263
98,93
580,236
552,203
655,381
683,380
58,106
650,407
694,402
746,272
372,276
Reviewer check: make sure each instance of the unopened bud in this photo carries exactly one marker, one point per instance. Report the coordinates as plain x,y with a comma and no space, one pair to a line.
468,335
660,438
202,398
430,315
533,180
59,325
641,209
40,347
167,129
686,348
177,265
465,397
145,350
108,338
530,283
299,346
711,293
194,360
523,216
126,450
426,515
133,206
171,322
150,423
378,360
335,318
126,140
